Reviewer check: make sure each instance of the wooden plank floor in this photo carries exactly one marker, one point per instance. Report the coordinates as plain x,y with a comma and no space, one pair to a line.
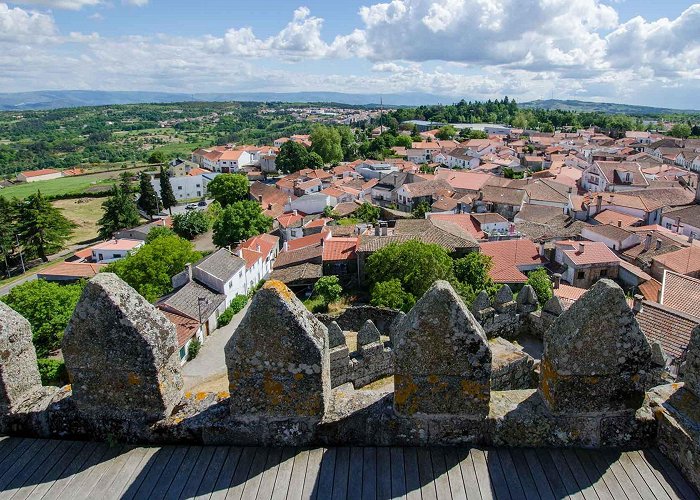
49,469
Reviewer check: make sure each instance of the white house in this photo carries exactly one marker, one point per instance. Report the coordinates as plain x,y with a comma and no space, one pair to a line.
310,203
684,220
38,175
112,250
186,187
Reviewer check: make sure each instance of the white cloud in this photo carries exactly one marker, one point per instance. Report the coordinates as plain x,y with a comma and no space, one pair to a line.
21,26
137,3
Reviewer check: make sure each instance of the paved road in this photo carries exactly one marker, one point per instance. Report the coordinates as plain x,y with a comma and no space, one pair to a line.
210,363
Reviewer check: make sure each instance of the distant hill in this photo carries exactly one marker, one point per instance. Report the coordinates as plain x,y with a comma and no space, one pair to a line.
603,107
76,98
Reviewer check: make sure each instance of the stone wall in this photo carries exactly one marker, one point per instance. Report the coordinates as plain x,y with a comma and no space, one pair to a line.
280,365
503,316
511,368
372,361
354,318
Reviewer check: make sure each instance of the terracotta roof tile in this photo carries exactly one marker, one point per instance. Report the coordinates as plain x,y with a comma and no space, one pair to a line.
670,328
335,249
681,293
508,256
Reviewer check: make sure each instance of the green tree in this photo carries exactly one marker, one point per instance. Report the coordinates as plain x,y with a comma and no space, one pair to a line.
420,209
148,199
446,132
415,264
539,280
191,224
166,191
328,288
151,268
125,181
119,213
292,157
240,221
472,271
157,157
680,130
229,188
368,213
48,307
42,228
315,160
326,142
8,220
391,294
404,141
158,232
348,143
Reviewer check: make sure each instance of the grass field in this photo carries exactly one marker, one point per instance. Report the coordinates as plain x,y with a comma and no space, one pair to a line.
63,185
85,212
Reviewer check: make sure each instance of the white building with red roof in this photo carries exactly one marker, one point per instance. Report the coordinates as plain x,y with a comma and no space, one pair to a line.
586,262
112,250
38,175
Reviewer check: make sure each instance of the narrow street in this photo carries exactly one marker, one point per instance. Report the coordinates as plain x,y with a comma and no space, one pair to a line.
207,372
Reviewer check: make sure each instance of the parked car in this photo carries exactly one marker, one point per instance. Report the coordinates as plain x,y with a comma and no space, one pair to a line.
191,206
202,203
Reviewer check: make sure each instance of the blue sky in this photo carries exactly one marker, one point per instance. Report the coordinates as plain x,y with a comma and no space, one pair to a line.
643,52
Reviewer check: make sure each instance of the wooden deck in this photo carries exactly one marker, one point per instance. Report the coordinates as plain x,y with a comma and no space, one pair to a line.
33,468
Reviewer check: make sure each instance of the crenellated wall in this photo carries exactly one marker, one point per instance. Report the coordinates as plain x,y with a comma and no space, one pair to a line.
282,361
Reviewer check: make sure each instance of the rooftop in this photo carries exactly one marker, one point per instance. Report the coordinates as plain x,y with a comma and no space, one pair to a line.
336,249
120,244
666,326
594,252
509,256
222,264
681,293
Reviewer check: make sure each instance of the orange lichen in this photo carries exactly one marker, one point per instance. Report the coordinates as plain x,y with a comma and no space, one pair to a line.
134,379
433,379
274,390
222,395
547,374
298,376
475,389
201,395
188,395
404,389
68,388
280,287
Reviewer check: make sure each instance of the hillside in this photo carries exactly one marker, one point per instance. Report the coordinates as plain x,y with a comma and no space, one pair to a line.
602,107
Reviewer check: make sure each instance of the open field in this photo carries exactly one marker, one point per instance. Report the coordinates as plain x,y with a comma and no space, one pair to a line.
85,212
64,185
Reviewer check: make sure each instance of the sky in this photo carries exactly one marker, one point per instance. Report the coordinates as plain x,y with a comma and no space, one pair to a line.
626,51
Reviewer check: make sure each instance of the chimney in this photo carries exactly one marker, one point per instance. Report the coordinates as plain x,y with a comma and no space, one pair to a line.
557,280
285,247
257,248
638,304
658,244
541,249
188,268
260,198
580,248
678,227
599,204
295,212
619,223
647,242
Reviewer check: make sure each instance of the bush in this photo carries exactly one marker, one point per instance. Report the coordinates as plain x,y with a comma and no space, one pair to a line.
191,224
328,288
53,372
236,306
391,294
193,349
539,280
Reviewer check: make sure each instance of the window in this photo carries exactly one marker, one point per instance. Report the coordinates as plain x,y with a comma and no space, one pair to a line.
183,352
117,256
179,188
580,275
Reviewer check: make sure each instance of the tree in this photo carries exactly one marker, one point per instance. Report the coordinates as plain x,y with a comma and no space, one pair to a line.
8,219
292,157
391,294
328,288
680,130
404,141
326,142
48,307
240,221
159,232
539,280
446,132
191,224
229,188
157,157
315,160
148,199
151,268
420,209
368,213
417,265
42,228
119,213
348,143
125,180
473,272
166,191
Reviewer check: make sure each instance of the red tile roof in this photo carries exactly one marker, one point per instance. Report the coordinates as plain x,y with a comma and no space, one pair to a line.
671,329
72,269
681,293
594,252
185,327
335,249
508,256
684,261
465,221
568,294
307,241
650,289
610,217
264,243
43,171
288,219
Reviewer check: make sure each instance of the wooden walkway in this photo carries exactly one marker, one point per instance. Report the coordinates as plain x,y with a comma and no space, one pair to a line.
33,468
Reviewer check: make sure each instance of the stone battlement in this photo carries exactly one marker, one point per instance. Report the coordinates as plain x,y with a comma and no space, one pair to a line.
292,380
